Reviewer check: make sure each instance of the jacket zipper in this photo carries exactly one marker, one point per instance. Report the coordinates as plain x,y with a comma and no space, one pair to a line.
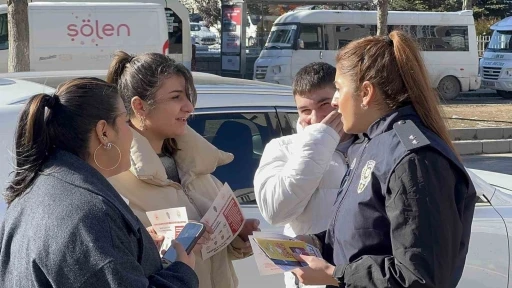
348,183
181,187
345,176
185,191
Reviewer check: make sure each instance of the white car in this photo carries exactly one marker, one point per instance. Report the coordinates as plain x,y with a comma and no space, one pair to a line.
263,111
203,35
13,90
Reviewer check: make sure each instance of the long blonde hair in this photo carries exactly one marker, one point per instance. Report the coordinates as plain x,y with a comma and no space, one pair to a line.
394,64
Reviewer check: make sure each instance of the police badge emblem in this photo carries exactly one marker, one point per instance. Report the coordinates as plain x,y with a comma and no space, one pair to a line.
366,175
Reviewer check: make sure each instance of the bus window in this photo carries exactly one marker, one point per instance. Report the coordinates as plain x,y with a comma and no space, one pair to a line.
339,35
311,35
175,27
438,38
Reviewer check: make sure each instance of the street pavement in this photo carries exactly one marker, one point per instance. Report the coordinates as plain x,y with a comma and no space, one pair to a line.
499,163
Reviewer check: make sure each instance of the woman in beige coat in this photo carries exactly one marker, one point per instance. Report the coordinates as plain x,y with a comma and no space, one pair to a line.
170,162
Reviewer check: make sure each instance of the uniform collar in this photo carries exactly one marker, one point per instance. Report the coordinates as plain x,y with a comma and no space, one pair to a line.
385,123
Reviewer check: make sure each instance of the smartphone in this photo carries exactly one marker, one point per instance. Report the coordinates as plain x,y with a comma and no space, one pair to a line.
188,237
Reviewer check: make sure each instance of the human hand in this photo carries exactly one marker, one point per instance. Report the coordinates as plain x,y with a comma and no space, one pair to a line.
250,225
158,239
182,256
204,239
318,272
333,120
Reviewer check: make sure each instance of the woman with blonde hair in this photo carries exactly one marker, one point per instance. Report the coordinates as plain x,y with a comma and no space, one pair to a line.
170,162
404,212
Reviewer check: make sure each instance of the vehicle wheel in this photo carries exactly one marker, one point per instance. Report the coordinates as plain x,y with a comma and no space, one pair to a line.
449,88
505,94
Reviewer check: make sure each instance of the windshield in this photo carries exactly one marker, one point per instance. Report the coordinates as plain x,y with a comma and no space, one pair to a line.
195,27
501,41
255,19
281,37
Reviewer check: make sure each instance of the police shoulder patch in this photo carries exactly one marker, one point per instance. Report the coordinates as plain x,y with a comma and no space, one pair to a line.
409,134
366,175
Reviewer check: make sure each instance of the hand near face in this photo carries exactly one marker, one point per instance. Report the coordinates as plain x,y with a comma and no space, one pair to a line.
333,120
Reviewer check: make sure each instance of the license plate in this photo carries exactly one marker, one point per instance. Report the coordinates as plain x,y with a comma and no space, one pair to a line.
488,83
494,63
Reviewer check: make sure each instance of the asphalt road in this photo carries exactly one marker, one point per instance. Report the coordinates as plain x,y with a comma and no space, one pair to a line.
499,163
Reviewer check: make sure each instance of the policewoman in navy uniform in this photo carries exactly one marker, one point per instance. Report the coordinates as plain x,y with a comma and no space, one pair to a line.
403,215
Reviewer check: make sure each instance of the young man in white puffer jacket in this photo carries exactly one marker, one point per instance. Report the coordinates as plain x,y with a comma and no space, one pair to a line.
299,175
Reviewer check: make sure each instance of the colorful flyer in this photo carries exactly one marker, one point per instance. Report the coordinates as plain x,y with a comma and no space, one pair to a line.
226,219
169,223
274,253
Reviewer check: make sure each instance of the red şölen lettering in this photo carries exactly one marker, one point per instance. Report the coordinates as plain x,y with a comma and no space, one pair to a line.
101,31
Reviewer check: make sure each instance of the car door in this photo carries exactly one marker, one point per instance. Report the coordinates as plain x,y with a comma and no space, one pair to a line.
244,132
487,261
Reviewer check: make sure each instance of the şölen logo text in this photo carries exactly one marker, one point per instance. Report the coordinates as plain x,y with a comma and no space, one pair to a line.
94,31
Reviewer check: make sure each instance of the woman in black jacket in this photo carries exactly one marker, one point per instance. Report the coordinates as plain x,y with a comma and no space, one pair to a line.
403,215
66,226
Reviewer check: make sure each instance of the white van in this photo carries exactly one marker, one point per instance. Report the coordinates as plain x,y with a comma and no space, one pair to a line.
298,38
251,30
82,36
496,65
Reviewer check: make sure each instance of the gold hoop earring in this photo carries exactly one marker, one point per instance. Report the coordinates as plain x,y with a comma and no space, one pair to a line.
108,146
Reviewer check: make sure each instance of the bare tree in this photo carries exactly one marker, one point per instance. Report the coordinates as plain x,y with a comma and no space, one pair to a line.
467,5
382,17
209,11
17,19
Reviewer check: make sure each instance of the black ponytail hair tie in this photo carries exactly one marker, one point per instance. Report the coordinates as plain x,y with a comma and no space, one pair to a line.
50,101
388,40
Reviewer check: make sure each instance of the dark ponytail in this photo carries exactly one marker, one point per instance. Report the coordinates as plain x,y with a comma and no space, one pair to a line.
48,123
32,144
117,67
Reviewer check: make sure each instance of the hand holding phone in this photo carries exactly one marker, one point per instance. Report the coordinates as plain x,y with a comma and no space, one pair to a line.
182,255
188,238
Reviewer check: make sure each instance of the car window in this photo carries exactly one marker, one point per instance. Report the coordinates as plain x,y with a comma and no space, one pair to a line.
4,40
288,122
174,26
293,118
245,136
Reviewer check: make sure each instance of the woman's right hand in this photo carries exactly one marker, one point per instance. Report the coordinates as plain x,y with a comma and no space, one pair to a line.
189,259
204,239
